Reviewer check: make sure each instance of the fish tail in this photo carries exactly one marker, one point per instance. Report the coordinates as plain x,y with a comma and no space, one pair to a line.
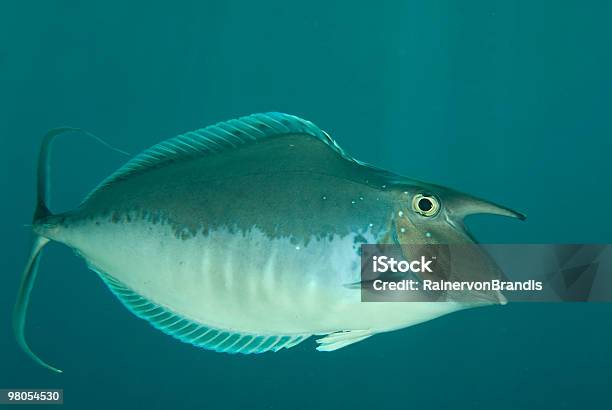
42,185
23,298
28,277
44,224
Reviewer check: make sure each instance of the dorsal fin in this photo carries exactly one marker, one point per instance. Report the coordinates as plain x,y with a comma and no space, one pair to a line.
219,138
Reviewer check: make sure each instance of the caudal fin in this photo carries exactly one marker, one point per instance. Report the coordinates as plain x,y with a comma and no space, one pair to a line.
31,269
41,213
23,298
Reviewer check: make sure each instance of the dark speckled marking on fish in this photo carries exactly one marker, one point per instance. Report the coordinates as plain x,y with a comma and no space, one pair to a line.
251,174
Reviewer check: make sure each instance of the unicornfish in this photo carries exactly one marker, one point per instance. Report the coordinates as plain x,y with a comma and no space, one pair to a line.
241,237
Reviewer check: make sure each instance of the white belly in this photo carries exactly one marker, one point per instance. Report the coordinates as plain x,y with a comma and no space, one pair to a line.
246,282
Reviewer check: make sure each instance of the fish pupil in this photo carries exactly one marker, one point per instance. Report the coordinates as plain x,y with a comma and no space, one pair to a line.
425,204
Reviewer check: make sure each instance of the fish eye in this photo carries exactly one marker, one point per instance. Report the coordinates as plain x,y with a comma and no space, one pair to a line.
425,205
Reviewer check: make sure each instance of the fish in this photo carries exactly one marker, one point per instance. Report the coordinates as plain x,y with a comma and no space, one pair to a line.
244,236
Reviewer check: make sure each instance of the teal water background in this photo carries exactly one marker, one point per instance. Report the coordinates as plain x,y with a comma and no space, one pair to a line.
507,100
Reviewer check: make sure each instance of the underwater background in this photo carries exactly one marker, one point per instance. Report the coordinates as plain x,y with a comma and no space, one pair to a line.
507,100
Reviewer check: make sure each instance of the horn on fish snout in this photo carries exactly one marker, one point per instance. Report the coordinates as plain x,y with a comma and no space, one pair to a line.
463,205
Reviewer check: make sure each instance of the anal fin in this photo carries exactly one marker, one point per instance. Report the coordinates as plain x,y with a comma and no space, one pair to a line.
197,334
